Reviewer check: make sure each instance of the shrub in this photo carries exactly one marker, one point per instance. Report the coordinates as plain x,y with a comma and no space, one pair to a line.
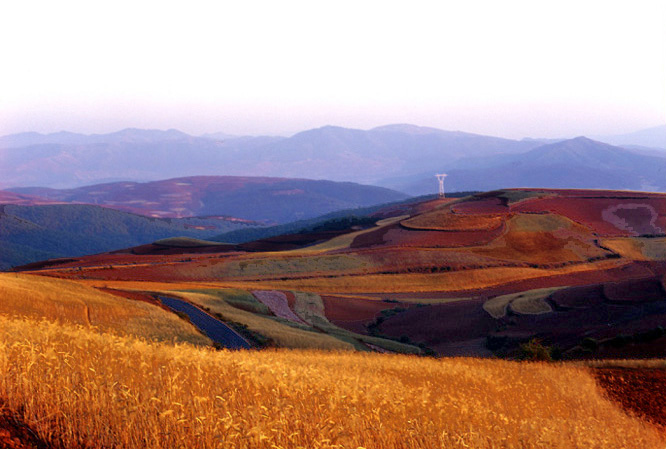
535,350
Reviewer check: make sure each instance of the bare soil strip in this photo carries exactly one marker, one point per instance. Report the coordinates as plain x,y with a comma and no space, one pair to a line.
641,391
15,434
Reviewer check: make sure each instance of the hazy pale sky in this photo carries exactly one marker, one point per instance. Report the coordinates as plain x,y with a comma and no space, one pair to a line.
508,68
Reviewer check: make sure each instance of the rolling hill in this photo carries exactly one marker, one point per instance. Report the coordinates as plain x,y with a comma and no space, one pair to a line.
582,271
523,274
276,200
32,233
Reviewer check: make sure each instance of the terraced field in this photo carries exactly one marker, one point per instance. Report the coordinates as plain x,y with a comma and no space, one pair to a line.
479,275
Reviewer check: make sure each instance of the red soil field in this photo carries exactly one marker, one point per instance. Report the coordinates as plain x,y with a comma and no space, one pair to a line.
642,391
635,291
592,193
607,216
631,270
443,327
488,205
354,313
396,235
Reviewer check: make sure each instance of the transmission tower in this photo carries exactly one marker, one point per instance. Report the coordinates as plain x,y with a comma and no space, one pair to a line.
440,178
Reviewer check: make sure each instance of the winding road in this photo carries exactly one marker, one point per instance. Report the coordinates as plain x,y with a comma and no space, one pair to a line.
215,329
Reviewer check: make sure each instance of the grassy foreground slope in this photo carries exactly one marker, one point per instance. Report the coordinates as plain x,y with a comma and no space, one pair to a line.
64,301
131,393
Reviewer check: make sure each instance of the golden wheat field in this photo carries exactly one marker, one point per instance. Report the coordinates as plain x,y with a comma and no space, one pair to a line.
80,388
71,302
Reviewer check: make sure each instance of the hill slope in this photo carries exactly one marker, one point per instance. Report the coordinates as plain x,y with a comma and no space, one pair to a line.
584,271
32,233
252,198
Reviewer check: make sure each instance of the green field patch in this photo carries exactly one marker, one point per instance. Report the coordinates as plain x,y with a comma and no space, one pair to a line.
236,297
530,302
638,248
517,196
185,242
280,265
539,223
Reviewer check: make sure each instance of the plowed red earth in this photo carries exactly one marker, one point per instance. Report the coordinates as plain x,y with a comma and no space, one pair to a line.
354,313
491,205
642,391
634,270
590,212
14,434
396,235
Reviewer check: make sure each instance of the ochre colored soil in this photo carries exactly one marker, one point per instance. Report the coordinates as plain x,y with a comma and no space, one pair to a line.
641,391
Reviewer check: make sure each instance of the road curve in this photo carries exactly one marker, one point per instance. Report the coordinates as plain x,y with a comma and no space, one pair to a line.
215,329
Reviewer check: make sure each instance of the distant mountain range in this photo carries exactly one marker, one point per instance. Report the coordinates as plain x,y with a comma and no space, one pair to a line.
65,160
574,163
401,157
271,200
651,138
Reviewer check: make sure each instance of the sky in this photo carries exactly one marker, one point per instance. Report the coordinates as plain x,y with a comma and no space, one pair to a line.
505,68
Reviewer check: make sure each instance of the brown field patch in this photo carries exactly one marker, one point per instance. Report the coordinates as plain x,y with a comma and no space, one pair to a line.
409,238
445,220
590,212
642,390
463,280
481,205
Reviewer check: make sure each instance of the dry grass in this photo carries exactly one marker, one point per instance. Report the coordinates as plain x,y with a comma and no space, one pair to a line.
79,389
283,265
67,301
625,363
637,248
447,281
